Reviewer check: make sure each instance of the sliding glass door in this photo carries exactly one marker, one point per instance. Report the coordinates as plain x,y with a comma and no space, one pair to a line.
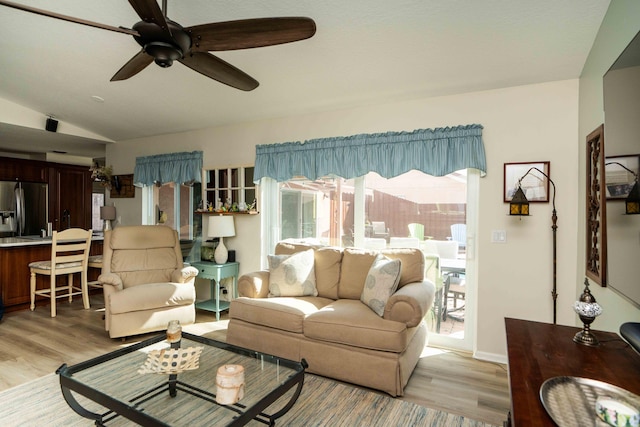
434,214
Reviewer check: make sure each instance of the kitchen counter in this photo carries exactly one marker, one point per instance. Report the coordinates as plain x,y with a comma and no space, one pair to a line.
15,255
12,242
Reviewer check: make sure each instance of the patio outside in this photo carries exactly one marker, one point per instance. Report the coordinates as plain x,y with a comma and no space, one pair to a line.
324,211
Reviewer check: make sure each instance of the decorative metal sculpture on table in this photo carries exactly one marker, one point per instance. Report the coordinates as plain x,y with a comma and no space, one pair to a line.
587,309
173,360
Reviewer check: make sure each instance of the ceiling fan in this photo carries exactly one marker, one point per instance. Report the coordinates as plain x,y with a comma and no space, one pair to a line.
164,41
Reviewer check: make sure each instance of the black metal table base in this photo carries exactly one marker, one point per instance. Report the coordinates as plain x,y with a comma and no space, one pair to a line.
172,386
134,410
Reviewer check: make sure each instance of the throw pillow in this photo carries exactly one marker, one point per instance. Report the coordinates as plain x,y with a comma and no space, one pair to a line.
382,281
292,275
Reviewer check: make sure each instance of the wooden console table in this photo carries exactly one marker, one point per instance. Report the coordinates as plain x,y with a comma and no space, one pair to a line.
539,351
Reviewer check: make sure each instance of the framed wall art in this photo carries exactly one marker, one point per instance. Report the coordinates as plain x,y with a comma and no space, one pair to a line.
122,187
618,180
535,185
596,243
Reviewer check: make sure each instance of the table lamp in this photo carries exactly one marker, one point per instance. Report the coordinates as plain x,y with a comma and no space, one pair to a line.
108,214
221,226
587,309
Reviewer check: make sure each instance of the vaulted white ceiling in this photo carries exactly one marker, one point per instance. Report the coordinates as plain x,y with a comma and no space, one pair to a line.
364,52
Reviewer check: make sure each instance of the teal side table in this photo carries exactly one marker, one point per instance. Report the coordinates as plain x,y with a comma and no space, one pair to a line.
215,273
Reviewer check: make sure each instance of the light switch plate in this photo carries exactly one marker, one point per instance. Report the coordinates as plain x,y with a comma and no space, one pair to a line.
498,236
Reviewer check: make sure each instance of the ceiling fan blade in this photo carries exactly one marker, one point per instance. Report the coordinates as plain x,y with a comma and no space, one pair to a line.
149,11
68,18
139,62
249,33
217,69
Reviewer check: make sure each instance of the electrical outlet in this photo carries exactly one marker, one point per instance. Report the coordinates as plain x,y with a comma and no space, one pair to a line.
498,236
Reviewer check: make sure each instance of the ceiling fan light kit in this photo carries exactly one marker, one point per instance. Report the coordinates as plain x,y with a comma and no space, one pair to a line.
163,53
164,46
164,41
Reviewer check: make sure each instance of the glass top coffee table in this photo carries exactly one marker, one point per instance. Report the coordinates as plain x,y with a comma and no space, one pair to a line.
113,381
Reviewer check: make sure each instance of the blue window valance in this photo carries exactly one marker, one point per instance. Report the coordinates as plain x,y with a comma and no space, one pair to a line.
436,152
172,167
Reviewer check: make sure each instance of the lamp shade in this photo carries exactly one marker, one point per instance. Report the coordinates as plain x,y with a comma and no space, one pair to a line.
519,204
632,203
108,212
221,226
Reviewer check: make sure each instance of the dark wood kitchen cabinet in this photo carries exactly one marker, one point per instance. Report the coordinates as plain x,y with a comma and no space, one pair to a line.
70,188
23,170
70,192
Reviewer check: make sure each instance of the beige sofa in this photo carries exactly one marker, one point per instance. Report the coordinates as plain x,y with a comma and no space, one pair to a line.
144,280
338,335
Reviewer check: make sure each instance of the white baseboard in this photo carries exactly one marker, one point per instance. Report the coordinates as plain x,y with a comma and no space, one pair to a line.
490,357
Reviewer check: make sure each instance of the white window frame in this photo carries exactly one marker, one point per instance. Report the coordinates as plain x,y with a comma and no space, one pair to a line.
149,214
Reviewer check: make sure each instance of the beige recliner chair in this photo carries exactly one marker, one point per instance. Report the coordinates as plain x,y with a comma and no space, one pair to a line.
145,281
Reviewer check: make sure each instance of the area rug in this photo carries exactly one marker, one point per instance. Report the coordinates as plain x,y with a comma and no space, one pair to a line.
322,403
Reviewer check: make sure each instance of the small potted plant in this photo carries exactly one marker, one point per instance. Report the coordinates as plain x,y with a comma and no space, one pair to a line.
103,175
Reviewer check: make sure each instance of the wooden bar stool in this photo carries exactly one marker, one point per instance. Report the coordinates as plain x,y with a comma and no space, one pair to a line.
95,261
69,255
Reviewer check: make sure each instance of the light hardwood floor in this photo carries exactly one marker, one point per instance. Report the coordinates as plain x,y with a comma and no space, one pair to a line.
34,344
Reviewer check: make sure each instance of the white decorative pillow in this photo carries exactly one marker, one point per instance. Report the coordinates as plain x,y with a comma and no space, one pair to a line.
292,275
382,281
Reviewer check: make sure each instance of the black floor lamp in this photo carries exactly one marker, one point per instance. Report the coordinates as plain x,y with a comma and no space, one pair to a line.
519,206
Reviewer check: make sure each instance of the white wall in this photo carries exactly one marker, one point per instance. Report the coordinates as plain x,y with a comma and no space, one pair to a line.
620,25
18,115
527,123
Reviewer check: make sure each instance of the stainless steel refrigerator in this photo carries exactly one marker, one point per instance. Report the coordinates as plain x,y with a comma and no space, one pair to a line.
24,208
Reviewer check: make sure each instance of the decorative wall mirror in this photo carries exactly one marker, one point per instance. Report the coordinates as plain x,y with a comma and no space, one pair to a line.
621,86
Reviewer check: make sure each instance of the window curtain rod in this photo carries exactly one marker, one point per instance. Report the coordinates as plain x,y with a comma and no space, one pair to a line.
172,167
436,152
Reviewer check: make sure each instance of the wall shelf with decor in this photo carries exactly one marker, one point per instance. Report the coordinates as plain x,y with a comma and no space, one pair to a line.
227,213
231,187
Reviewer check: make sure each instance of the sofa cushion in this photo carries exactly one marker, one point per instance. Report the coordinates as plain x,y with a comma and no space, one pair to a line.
328,263
351,322
412,264
291,247
355,267
381,283
282,313
292,275
151,296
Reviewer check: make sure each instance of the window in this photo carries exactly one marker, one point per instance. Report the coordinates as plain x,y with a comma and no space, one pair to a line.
173,205
229,186
97,201
372,211
308,210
